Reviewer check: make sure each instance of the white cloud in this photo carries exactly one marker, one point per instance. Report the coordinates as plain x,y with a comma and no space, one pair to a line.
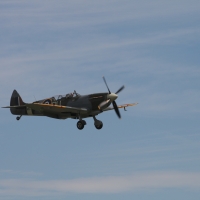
78,13
143,182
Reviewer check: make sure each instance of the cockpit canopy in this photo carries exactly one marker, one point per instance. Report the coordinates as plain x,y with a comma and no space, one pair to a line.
69,95
55,99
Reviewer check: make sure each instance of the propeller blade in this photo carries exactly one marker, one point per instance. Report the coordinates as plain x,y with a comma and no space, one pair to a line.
106,84
116,109
120,89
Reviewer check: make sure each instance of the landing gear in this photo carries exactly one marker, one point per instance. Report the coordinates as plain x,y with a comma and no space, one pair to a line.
81,124
98,126
97,123
18,117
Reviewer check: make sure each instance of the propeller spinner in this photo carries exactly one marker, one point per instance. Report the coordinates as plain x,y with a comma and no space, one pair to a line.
113,97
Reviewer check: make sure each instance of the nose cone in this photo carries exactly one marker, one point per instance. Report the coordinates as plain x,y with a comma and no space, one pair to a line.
112,96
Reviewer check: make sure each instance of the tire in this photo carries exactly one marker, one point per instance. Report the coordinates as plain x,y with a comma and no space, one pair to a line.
99,126
84,122
80,125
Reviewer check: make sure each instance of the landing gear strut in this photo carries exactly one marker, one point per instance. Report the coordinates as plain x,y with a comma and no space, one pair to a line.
18,117
81,123
97,123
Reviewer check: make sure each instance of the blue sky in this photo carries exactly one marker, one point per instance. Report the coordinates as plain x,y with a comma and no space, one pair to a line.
54,47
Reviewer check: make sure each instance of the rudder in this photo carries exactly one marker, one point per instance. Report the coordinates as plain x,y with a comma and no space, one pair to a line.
16,100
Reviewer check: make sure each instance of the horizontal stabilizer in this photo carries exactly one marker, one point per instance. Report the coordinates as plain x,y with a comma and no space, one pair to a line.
23,106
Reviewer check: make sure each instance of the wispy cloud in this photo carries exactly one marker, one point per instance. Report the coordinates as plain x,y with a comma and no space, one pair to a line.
19,173
116,184
90,13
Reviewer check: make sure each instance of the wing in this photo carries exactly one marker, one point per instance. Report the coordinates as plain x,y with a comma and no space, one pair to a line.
49,108
121,106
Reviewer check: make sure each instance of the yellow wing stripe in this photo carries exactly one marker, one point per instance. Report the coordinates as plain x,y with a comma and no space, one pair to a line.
50,105
55,108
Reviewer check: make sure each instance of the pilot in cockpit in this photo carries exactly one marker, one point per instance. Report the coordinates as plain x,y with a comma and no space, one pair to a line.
75,94
71,95
67,95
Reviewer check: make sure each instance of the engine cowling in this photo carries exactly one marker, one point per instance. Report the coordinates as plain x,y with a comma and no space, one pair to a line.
104,104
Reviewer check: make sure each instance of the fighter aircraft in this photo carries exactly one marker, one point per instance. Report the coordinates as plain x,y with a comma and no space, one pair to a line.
72,105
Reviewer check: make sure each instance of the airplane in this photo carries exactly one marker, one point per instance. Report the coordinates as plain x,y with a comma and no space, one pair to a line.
72,105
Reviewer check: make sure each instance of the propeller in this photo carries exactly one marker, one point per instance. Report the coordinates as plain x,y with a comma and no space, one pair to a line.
106,84
120,89
116,109
114,96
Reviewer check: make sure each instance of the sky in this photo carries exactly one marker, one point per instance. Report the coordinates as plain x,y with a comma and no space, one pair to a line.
55,47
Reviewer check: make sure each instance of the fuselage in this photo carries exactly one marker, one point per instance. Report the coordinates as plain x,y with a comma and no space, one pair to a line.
90,102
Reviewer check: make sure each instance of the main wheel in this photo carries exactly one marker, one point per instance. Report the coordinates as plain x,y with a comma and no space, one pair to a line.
80,125
84,122
98,126
17,118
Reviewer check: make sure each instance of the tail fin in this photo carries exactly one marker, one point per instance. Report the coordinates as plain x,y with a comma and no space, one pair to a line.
16,100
